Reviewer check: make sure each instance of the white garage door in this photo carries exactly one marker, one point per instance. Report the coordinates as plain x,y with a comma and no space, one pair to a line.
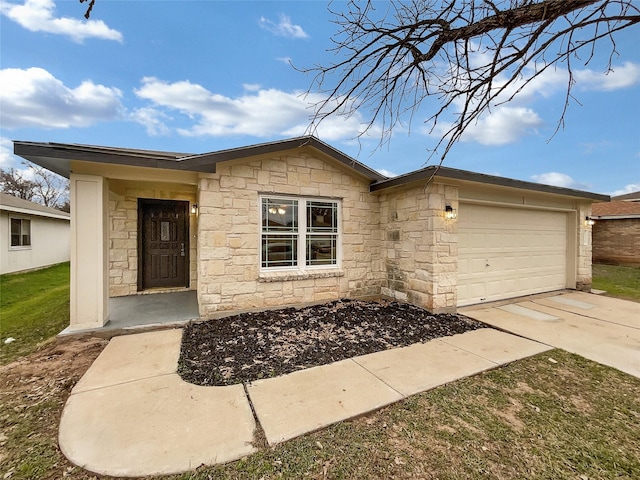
509,252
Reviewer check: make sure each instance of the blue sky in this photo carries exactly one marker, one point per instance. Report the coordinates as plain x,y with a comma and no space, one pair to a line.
199,76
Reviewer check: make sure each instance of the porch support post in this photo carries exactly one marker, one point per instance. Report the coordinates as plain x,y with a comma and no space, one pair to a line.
89,252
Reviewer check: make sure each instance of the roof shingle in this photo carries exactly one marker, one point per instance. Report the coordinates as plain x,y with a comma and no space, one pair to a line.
616,208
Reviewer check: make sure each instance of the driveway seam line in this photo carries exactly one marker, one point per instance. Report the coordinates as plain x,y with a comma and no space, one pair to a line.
470,352
587,316
124,383
354,360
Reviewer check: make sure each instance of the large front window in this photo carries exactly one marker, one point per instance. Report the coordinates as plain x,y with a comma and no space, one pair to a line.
299,233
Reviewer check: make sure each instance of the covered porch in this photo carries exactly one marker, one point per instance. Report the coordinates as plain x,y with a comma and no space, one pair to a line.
138,277
135,312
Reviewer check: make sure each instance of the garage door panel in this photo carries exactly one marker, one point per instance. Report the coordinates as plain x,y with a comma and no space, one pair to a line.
508,252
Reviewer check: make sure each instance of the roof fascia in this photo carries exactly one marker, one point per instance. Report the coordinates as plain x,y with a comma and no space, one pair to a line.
35,213
623,216
57,157
213,158
446,172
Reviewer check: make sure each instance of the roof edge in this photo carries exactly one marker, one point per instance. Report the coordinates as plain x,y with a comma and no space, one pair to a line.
281,145
43,154
622,216
447,172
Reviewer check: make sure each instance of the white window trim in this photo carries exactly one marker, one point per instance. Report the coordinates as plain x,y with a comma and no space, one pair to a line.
21,247
302,267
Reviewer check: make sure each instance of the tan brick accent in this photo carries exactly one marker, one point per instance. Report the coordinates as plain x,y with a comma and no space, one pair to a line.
617,242
419,247
583,273
123,231
229,235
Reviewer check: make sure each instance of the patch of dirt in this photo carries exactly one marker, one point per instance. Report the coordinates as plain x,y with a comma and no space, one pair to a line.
250,346
510,414
33,391
58,364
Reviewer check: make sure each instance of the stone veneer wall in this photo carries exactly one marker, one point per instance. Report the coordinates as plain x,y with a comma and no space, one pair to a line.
583,274
123,231
420,247
617,241
229,236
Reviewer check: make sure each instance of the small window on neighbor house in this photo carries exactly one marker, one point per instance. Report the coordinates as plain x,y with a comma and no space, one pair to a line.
299,233
20,232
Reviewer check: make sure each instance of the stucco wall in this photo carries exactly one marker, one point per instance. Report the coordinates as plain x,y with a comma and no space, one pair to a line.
419,247
50,244
617,242
123,230
229,234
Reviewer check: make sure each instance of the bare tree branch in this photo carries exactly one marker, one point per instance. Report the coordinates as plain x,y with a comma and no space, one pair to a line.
460,57
87,14
37,185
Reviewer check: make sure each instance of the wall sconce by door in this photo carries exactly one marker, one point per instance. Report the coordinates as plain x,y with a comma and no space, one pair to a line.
194,209
450,213
589,221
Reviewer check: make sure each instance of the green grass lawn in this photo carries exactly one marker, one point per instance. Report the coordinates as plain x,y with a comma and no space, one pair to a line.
617,281
34,306
552,416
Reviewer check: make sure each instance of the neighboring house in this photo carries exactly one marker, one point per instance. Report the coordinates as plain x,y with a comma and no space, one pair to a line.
31,235
616,231
297,221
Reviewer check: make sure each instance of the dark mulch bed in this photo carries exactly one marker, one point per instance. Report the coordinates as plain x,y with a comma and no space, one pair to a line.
250,346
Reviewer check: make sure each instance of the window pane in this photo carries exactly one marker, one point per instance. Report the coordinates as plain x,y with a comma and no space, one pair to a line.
15,232
322,217
279,215
321,250
26,232
279,250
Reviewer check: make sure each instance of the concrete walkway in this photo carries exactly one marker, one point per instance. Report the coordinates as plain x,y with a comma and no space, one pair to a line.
603,329
132,415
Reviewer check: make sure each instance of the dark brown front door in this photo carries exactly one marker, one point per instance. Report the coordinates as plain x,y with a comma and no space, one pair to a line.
163,232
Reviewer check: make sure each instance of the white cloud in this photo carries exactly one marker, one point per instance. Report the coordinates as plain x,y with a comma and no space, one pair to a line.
7,158
35,98
510,120
251,87
618,78
502,126
259,112
152,119
630,188
559,180
38,16
386,172
283,28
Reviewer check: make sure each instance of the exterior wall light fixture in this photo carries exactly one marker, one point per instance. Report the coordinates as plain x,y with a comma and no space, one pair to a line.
450,213
589,221
194,209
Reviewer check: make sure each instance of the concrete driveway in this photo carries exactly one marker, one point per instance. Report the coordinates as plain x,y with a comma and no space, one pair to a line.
603,329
